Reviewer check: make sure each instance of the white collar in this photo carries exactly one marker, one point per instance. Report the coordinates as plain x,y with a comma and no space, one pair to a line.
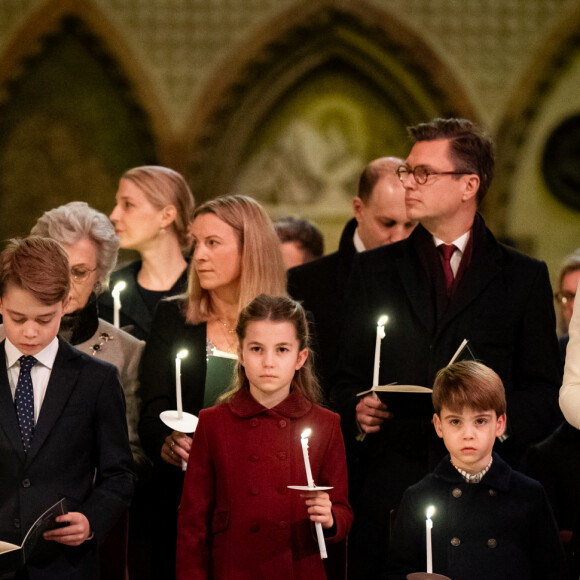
459,243
473,477
46,356
358,243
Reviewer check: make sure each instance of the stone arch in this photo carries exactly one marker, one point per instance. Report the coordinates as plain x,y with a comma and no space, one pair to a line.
45,19
545,68
373,43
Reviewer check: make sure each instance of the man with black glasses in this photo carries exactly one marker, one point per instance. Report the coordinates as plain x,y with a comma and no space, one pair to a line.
449,281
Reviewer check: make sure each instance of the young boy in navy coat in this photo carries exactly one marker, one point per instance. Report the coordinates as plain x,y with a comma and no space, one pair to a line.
490,522
63,431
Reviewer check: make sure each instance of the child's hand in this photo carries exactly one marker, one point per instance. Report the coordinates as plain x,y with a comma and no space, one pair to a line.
74,534
176,447
319,508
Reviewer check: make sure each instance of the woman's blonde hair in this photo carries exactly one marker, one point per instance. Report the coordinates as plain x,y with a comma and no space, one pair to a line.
278,309
262,267
162,187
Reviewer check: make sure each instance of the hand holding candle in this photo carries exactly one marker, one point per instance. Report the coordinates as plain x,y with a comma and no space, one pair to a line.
178,421
318,526
116,293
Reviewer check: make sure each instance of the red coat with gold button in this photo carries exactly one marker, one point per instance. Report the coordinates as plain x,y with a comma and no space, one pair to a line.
237,518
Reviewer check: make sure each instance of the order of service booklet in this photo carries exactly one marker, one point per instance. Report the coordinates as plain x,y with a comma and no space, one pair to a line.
13,557
404,401
413,401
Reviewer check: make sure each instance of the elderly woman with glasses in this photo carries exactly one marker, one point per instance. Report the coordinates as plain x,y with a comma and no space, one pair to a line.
91,244
90,241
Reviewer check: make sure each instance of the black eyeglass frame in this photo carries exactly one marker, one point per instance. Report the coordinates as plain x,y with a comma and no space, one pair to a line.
403,170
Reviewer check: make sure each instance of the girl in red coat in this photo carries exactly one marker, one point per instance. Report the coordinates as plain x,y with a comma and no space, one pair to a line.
238,519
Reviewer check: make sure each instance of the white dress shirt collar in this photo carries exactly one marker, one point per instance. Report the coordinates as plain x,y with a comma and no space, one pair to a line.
46,356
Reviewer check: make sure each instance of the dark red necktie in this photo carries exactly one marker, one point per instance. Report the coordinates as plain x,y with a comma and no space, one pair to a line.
447,251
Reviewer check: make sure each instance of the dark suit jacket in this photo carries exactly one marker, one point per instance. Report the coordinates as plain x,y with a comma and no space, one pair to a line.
555,463
135,315
321,287
169,334
80,450
503,305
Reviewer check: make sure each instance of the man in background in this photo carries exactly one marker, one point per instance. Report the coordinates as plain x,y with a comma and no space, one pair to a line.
302,241
380,218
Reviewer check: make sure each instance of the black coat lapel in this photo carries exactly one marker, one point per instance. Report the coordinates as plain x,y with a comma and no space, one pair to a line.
484,267
62,382
415,278
8,418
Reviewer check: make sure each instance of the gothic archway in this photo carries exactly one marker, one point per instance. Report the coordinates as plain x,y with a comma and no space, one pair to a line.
365,46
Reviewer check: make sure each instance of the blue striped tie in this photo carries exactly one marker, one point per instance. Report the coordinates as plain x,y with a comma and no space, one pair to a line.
24,400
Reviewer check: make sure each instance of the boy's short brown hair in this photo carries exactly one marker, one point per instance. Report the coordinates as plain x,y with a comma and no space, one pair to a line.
39,266
468,384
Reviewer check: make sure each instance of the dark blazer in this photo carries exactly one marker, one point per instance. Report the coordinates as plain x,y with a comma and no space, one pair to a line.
555,463
80,450
169,334
321,287
501,528
135,315
503,305
237,518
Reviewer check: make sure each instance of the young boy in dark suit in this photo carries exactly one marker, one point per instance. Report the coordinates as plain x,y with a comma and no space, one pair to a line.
63,431
490,522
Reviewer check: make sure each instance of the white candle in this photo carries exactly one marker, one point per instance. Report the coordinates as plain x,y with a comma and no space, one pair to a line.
116,292
380,335
181,354
429,526
304,441
310,479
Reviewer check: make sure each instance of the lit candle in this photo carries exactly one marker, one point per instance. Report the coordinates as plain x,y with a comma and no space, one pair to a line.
310,479
429,526
116,292
181,354
304,441
380,335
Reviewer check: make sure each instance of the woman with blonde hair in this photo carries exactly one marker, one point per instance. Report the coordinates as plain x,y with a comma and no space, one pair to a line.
152,215
236,257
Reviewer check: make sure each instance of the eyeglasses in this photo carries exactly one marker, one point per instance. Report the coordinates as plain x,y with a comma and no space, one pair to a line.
565,297
422,173
80,273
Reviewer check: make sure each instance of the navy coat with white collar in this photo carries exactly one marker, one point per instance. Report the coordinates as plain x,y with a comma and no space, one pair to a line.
499,529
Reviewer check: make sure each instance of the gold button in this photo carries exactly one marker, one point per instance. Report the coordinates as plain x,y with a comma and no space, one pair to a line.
492,492
492,543
455,542
456,493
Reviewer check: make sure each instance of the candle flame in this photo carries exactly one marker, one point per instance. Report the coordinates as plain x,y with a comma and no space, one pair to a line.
182,353
119,286
383,320
305,433
430,512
